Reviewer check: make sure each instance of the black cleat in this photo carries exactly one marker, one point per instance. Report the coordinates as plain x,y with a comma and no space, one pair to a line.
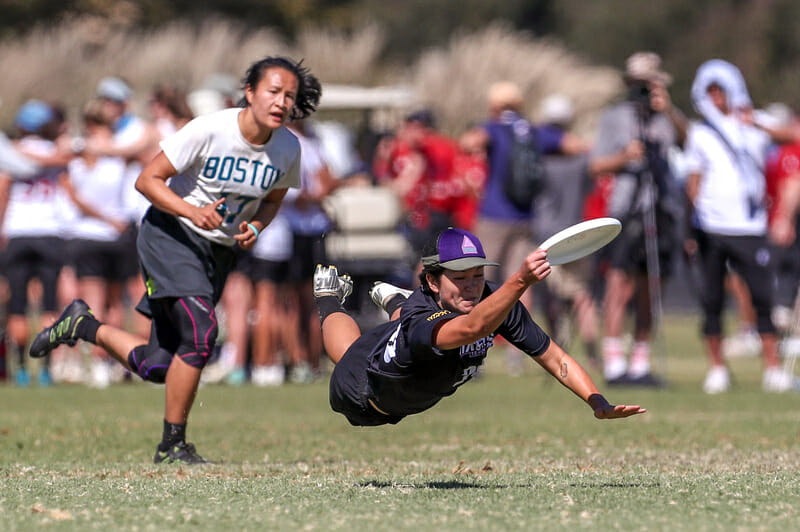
648,380
62,331
179,453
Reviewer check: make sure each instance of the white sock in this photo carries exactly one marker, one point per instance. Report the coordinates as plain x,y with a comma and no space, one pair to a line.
640,360
614,364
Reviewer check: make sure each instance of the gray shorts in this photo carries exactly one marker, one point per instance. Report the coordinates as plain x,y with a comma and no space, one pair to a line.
177,262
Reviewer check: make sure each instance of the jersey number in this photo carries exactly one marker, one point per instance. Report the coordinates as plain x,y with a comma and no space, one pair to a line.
234,204
468,373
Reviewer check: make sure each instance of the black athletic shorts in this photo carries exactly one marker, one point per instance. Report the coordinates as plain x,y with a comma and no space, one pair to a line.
308,252
129,256
26,258
349,390
177,262
628,253
258,270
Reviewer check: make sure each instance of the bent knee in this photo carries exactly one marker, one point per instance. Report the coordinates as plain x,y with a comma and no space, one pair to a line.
150,362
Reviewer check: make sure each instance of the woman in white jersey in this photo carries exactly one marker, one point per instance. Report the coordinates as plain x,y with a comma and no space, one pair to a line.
100,258
228,172
33,228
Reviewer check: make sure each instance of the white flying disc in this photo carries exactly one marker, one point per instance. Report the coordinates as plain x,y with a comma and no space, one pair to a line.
581,239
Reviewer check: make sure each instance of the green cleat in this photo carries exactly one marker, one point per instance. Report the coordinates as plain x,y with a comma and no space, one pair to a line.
179,453
62,331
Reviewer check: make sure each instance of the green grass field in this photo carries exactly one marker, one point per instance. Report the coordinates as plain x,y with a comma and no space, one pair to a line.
504,453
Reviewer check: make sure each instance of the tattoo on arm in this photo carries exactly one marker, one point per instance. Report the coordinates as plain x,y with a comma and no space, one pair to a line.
563,370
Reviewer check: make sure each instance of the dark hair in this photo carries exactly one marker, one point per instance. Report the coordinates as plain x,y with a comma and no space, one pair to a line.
431,247
424,117
93,113
309,89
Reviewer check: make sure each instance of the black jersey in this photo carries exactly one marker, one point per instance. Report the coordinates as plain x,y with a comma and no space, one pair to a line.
407,374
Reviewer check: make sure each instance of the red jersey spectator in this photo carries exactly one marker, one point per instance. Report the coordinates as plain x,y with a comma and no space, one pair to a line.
420,167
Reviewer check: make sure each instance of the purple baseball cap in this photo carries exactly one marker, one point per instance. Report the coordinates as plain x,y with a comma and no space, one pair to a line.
459,250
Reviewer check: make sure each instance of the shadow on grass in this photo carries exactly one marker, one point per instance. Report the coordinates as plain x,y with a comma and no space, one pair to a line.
625,485
440,485
457,485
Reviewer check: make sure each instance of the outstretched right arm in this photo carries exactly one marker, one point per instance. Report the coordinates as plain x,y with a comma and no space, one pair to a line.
489,314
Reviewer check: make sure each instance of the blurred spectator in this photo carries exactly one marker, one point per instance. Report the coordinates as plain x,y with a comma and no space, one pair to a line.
783,196
470,171
419,165
135,140
556,111
504,228
632,143
237,299
309,223
32,210
275,324
169,110
726,155
779,167
783,193
560,205
95,184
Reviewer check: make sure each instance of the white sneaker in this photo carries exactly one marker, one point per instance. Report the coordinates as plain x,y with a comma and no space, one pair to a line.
718,380
381,293
790,347
742,344
72,371
101,374
263,376
614,368
777,380
782,318
301,373
328,282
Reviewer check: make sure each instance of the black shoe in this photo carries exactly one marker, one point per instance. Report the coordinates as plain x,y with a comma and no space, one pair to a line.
179,453
622,380
62,331
648,380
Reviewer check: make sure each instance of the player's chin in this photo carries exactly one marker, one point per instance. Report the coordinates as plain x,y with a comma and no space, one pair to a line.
467,306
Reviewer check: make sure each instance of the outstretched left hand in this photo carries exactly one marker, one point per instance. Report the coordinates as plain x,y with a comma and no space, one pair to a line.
246,237
618,411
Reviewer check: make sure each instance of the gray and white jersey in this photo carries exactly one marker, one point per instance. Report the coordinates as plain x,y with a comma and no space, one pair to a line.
215,161
37,205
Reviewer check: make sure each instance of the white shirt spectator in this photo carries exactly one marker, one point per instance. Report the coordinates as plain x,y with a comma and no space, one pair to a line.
730,198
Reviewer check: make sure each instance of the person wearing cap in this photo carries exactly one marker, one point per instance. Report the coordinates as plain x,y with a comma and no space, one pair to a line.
135,140
503,226
439,335
632,142
35,210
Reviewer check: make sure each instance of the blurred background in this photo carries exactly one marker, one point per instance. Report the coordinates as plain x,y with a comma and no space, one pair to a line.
446,51
380,61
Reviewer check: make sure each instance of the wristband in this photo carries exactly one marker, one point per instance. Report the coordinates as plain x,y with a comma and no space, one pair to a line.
253,227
